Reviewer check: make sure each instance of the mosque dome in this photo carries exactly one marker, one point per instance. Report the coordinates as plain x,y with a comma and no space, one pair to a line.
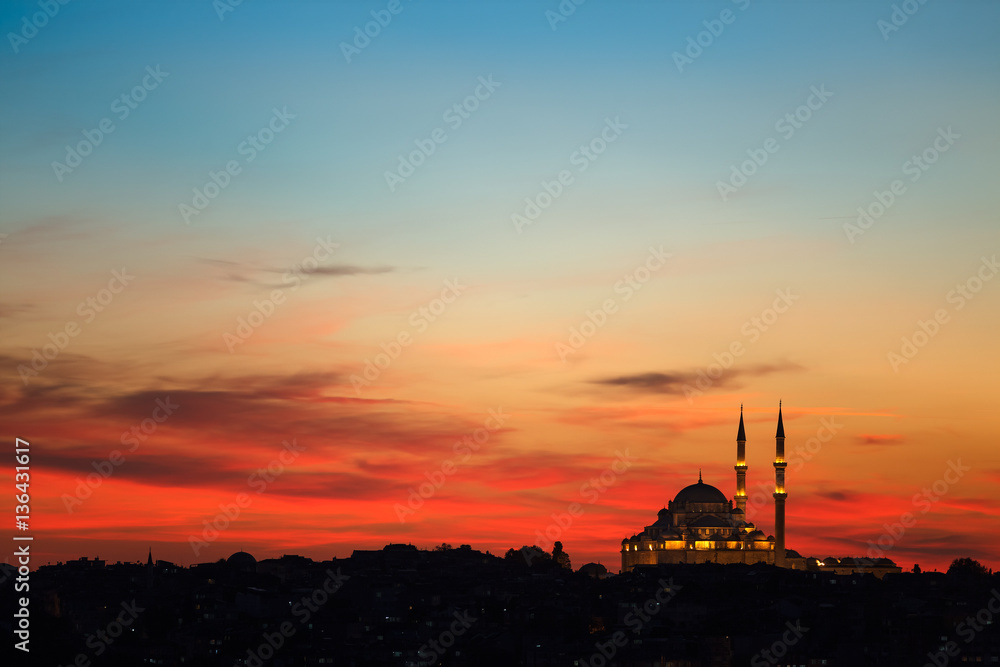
242,561
595,570
700,493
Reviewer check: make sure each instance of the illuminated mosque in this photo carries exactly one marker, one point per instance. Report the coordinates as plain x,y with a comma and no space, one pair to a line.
700,525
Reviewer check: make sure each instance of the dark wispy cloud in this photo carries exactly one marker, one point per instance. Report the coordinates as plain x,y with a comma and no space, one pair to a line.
229,426
11,309
213,470
879,439
47,229
294,274
231,271
676,382
337,270
839,496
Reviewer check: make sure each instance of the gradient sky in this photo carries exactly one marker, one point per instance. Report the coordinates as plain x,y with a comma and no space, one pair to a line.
894,428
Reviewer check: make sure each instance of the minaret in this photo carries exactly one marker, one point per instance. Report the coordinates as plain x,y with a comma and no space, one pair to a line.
779,492
741,468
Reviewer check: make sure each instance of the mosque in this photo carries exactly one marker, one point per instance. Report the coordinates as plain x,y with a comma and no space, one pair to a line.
700,525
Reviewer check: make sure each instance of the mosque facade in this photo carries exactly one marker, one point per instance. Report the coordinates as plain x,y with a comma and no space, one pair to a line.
701,525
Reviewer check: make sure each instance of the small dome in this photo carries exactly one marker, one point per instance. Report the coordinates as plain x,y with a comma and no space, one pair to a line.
595,570
664,519
737,510
242,561
757,536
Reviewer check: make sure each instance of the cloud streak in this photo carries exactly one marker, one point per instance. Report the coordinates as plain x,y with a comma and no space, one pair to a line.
675,382
230,271
879,439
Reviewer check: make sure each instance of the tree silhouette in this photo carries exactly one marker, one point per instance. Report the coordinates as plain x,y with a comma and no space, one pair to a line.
560,557
967,567
532,556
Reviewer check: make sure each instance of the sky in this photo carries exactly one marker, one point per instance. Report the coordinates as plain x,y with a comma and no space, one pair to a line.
314,277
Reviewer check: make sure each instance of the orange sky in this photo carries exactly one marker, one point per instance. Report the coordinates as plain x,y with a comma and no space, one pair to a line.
431,418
